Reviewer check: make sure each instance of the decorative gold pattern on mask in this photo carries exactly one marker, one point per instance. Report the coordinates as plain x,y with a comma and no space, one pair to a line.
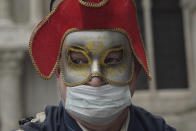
77,70
95,47
112,71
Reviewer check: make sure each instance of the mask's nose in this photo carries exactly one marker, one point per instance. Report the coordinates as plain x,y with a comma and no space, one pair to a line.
95,67
96,80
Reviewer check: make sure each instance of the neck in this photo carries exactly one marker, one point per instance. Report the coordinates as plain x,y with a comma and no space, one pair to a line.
113,126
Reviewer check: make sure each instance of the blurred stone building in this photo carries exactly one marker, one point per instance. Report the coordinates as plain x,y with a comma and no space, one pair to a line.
169,31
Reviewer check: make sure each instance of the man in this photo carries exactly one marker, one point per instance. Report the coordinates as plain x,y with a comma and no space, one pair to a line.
95,50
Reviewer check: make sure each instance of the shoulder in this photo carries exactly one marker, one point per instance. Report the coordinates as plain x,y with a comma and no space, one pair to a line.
40,121
149,121
32,123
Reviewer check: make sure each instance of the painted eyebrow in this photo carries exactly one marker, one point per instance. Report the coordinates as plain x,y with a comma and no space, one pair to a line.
78,47
116,46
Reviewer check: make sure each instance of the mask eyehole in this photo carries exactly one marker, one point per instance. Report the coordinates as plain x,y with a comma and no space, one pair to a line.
114,57
78,58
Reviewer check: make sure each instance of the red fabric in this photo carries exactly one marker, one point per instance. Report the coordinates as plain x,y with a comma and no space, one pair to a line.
71,14
93,1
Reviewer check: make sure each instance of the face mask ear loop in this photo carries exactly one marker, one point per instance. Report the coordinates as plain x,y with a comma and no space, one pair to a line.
59,93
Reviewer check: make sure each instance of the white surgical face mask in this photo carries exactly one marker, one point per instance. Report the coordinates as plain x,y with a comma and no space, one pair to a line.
97,105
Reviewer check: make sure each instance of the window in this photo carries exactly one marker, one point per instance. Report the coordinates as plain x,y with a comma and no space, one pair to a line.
165,41
169,46
168,42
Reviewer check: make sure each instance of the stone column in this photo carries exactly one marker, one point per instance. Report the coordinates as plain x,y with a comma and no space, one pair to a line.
147,6
35,11
193,35
188,44
10,89
189,19
4,12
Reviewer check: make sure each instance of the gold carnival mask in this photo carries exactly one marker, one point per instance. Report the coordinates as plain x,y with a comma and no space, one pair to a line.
106,54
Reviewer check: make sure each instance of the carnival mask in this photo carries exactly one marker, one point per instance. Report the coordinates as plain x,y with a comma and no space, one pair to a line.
102,53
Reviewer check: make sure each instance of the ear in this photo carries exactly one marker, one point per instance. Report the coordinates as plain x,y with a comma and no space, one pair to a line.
61,84
137,71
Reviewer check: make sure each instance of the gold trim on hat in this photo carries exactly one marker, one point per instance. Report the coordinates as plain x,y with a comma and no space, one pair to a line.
31,42
147,60
95,5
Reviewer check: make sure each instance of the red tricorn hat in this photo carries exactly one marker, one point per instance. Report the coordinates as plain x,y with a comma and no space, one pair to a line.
73,15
